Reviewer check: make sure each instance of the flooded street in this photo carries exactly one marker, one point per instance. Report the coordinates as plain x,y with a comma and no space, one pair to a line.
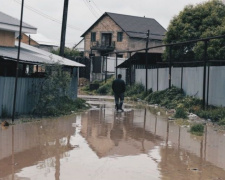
100,144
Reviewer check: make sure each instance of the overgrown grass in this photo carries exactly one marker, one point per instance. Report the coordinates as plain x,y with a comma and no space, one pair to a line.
104,88
173,98
197,129
60,106
181,113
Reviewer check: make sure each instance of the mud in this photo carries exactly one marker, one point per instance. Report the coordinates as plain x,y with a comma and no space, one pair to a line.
101,144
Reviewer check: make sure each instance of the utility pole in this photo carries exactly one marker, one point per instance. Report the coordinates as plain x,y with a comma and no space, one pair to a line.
63,31
146,61
17,62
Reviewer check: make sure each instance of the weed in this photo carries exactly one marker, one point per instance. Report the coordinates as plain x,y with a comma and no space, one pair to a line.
180,113
197,129
53,97
221,122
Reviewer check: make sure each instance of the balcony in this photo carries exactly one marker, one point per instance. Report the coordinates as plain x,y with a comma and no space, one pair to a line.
103,46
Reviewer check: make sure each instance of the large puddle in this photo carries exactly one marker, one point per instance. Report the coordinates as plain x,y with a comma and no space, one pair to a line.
101,144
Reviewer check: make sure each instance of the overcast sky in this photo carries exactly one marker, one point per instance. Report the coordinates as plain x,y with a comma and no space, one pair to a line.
47,14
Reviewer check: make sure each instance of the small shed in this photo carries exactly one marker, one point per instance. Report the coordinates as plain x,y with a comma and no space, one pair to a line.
30,74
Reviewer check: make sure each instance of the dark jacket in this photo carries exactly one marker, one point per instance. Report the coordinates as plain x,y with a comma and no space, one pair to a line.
118,86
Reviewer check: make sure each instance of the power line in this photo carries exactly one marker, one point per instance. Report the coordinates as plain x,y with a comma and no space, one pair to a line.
96,6
47,16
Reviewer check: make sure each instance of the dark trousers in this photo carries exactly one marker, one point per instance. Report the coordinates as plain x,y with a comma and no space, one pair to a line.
119,98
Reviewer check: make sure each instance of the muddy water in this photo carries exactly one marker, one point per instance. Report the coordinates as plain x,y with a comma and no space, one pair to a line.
103,145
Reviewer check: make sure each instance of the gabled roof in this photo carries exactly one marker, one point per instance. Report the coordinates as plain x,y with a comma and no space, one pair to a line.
12,24
139,58
41,39
134,26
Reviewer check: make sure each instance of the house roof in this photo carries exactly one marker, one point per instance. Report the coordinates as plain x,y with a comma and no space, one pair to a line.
134,26
80,45
33,55
41,39
140,59
12,24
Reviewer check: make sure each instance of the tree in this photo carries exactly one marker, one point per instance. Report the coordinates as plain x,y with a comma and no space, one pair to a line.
195,22
68,52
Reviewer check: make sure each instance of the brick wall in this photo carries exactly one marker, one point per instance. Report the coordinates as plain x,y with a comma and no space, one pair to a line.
106,25
25,39
7,38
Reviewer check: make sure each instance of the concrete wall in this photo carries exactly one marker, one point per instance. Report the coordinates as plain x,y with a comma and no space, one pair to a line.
192,81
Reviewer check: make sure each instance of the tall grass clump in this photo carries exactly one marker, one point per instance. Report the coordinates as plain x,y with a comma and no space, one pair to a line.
54,96
197,129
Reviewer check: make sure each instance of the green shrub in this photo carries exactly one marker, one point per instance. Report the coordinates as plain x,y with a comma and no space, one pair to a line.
197,129
54,96
221,122
181,113
134,89
103,90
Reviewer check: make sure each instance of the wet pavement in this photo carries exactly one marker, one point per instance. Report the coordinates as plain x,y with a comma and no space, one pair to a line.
100,144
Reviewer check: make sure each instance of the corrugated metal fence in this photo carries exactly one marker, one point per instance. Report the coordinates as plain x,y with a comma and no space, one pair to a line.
25,100
27,93
191,81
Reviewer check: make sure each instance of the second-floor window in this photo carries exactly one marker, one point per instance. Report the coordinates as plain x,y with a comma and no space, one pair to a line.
119,36
93,36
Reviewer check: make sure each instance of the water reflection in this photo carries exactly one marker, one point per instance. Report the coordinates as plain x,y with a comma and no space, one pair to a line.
139,131
41,143
102,144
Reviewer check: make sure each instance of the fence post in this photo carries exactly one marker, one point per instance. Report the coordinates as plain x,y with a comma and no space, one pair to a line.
116,64
157,77
204,72
181,83
146,62
106,69
207,103
170,64
130,64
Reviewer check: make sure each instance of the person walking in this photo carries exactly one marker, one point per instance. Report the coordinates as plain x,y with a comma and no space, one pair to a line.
119,87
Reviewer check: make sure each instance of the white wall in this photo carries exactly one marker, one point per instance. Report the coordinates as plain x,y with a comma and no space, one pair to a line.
192,81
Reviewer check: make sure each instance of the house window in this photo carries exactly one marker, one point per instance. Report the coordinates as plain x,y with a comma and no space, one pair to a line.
119,36
93,36
106,39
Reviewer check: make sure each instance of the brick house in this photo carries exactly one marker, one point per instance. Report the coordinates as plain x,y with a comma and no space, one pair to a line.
117,32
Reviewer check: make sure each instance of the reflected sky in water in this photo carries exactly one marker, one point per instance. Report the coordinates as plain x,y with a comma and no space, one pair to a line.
100,144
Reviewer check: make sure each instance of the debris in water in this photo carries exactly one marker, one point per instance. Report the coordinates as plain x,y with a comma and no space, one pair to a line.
75,125
5,123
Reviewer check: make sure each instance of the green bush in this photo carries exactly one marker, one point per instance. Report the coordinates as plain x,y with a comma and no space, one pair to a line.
135,89
181,113
54,96
168,98
221,122
197,129
103,90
